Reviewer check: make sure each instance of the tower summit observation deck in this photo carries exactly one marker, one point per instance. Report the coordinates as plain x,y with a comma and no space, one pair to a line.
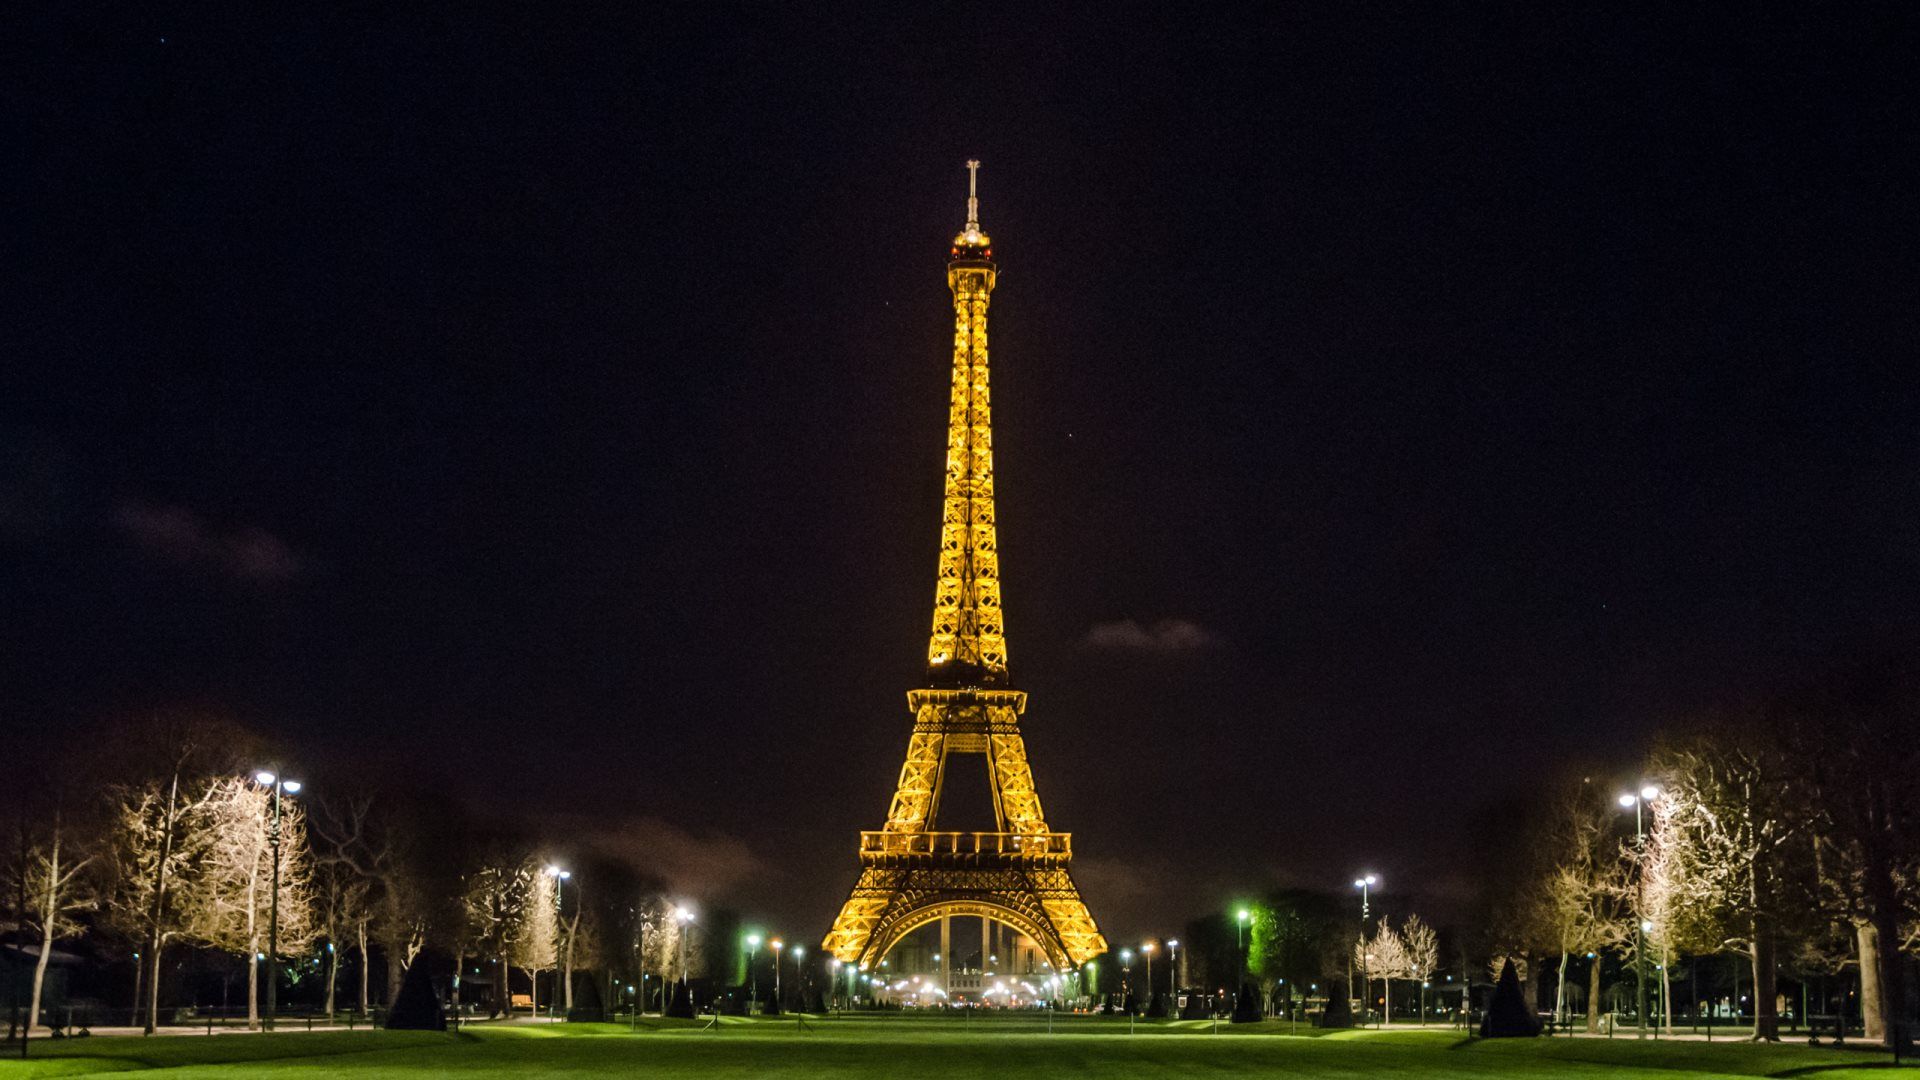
911,874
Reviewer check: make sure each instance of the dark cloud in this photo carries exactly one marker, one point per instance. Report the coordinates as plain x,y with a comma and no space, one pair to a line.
176,533
701,865
1165,636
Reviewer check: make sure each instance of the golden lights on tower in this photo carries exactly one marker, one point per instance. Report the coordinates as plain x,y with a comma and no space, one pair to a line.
1017,875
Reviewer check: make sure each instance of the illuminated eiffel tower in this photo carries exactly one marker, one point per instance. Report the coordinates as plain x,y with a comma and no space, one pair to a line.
911,875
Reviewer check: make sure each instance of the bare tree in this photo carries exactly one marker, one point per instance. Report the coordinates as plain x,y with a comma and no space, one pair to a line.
341,904
536,944
1736,856
1383,958
161,831
1855,738
1579,901
1421,948
369,843
493,901
237,878
52,887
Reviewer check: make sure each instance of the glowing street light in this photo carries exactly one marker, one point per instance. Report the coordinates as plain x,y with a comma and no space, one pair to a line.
1173,973
279,785
1146,950
1638,801
777,946
559,877
753,986
1365,884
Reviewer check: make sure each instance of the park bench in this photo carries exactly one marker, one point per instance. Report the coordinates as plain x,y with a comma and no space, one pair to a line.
520,1001
1832,1025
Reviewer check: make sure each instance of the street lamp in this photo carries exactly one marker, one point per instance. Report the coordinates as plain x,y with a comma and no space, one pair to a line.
1638,801
753,987
559,877
1126,979
1173,974
777,946
1365,885
1146,950
1240,946
291,787
683,916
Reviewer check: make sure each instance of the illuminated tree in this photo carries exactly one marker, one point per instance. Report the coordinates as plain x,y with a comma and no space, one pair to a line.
161,824
493,904
1575,904
160,834
1384,958
53,888
1421,947
535,944
235,898
1737,866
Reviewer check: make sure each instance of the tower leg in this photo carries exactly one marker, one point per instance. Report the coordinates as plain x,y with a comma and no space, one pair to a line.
946,952
986,945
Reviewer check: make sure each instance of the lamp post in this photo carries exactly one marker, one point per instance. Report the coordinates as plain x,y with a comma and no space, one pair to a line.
1146,950
1173,974
559,877
1638,801
1126,980
753,988
291,787
683,916
777,946
1365,885
1240,920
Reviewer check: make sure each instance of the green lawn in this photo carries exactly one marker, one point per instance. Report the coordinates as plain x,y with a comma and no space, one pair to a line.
923,1048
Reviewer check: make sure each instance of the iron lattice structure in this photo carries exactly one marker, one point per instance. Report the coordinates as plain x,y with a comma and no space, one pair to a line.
910,874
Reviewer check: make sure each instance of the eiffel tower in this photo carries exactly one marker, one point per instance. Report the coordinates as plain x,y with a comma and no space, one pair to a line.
910,874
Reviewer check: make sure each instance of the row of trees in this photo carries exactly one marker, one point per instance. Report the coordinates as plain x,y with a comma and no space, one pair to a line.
1782,831
178,846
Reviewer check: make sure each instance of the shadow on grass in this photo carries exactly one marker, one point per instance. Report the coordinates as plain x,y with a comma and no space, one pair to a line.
1815,1070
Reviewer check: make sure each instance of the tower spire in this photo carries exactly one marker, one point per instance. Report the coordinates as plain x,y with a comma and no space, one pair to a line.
973,196
972,243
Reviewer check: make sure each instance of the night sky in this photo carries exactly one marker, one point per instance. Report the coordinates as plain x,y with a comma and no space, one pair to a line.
550,409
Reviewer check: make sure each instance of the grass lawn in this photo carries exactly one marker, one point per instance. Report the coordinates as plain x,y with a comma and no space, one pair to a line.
924,1048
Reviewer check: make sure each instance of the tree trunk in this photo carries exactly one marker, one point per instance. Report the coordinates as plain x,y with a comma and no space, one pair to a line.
1560,990
503,993
1666,992
396,950
1873,1002
1593,994
49,910
253,987
533,989
572,928
333,971
1766,1017
153,982
1386,1000
154,935
364,962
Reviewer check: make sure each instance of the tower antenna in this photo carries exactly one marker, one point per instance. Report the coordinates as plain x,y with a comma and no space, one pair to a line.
973,196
